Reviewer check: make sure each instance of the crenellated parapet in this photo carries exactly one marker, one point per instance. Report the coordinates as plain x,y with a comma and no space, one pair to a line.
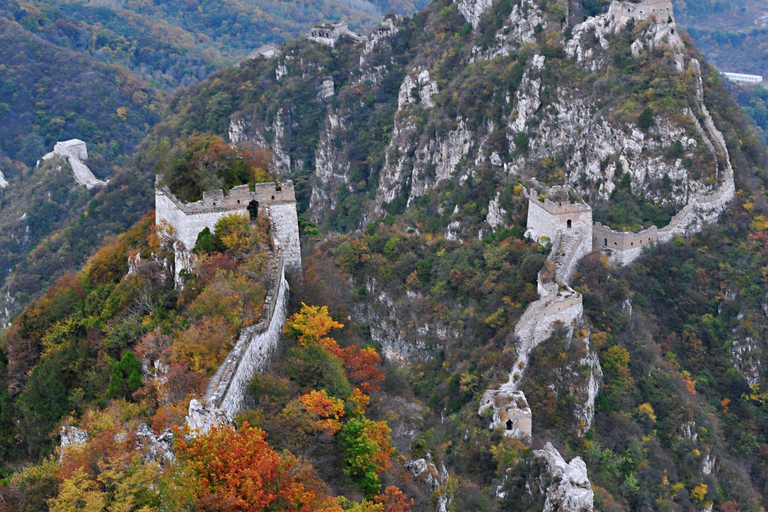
657,11
622,247
185,221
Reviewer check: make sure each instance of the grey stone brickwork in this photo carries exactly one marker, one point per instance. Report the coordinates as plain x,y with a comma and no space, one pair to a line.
226,389
187,220
658,11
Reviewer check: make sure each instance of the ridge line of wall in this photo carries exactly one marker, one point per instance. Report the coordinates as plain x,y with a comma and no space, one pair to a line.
226,389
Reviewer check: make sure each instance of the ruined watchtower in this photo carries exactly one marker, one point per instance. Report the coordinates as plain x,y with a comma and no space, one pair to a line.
658,11
329,32
187,220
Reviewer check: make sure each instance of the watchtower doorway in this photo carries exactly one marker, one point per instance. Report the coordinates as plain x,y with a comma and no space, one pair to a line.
253,210
569,223
509,424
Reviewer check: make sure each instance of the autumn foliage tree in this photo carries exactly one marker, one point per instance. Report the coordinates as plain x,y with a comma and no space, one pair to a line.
240,466
367,452
311,325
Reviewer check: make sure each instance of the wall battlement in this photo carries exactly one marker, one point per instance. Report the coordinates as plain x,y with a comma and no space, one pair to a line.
187,220
548,219
559,207
658,11
237,198
329,32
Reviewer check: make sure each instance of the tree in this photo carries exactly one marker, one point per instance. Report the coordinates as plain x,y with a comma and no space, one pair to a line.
80,493
32,148
329,410
126,377
367,452
233,233
646,119
394,500
312,323
240,464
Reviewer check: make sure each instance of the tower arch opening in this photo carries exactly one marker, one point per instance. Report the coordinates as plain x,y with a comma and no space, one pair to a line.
253,209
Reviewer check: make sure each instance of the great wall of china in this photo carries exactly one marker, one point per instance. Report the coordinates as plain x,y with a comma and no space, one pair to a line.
570,229
225,392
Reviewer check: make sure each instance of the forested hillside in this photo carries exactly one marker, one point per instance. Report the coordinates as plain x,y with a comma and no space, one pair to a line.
412,153
181,42
101,72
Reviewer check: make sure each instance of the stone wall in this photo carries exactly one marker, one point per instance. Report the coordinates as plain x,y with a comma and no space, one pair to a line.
189,219
226,389
328,33
547,218
74,151
622,247
659,11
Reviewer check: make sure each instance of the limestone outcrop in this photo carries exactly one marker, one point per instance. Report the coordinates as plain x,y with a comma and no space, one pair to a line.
200,417
473,9
435,481
3,182
570,489
75,151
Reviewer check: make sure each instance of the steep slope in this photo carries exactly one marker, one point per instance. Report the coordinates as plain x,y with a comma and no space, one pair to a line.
425,137
520,95
50,94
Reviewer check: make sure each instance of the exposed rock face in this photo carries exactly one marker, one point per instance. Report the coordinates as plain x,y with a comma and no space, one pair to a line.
524,20
155,448
496,214
426,473
473,9
424,87
331,169
390,26
398,325
268,51
570,489
3,182
326,89
201,418
71,437
746,358
74,151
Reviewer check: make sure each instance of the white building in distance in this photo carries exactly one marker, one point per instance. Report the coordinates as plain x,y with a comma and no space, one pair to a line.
742,78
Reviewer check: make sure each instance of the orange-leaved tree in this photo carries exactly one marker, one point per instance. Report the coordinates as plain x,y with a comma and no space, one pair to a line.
312,323
329,410
240,466
394,500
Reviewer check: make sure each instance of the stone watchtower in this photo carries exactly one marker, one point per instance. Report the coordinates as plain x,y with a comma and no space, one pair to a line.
187,220
658,11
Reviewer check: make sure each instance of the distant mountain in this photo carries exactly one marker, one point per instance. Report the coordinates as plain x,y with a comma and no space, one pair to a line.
173,43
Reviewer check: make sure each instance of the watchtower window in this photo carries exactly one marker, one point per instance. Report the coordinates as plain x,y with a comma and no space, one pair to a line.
569,223
509,424
605,242
253,209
